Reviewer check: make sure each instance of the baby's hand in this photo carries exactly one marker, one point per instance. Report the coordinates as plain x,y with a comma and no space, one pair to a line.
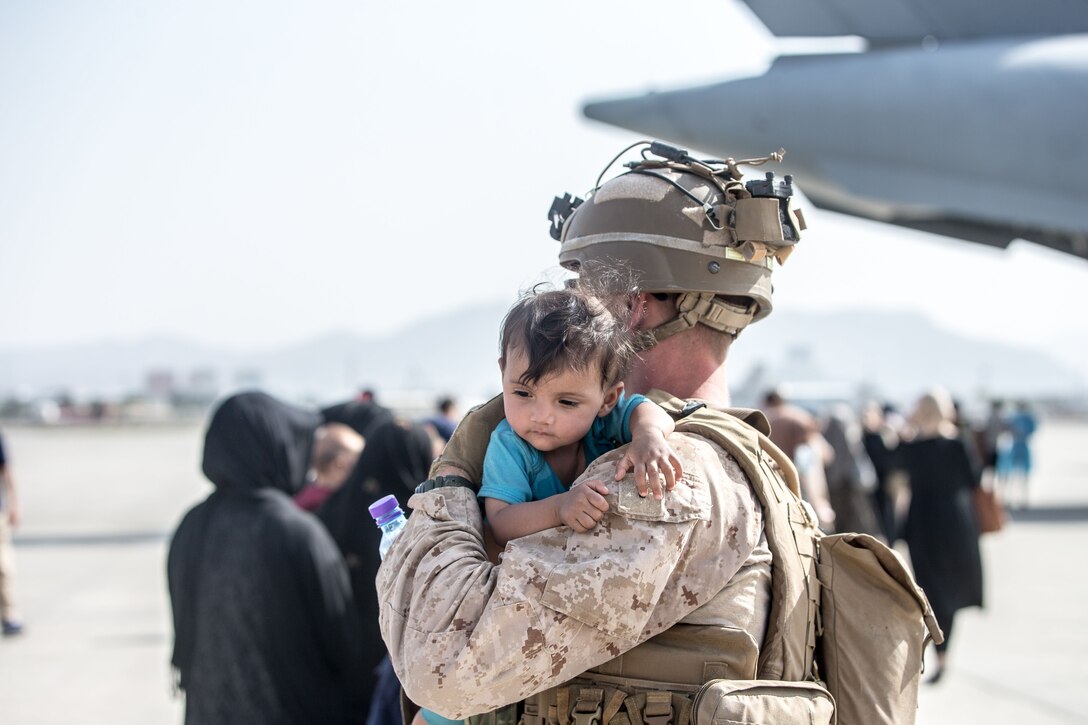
583,506
651,458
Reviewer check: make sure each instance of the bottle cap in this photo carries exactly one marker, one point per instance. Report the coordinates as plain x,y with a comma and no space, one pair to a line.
383,506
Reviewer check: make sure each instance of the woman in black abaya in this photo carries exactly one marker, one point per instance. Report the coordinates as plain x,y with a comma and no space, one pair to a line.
264,618
940,530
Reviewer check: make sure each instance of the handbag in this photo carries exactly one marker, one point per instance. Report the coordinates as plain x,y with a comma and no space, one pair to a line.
988,510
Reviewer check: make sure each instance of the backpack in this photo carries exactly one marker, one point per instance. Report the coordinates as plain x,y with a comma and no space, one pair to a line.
845,610
847,626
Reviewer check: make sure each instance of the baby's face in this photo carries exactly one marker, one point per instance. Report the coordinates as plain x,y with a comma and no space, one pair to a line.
557,410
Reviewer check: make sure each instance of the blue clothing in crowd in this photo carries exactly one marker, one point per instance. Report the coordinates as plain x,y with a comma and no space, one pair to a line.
1022,426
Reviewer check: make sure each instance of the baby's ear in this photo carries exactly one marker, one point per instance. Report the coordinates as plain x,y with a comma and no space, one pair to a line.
611,397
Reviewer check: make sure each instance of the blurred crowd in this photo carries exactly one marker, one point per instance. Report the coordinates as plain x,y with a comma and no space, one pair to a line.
851,465
286,533
916,478
271,577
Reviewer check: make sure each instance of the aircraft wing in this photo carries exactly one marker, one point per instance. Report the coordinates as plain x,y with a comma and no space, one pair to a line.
963,118
896,22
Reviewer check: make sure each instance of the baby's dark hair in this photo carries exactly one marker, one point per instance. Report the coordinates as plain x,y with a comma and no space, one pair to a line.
572,329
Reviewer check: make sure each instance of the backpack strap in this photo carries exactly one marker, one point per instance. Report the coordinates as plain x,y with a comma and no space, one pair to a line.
790,642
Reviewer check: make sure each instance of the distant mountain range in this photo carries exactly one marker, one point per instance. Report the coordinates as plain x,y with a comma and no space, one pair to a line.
892,354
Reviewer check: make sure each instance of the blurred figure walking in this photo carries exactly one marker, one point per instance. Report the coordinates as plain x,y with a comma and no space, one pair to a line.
990,436
797,433
880,440
1018,464
445,418
940,528
9,519
850,475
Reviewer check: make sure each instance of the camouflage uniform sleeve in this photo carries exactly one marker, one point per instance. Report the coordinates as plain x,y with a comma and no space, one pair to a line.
468,445
467,637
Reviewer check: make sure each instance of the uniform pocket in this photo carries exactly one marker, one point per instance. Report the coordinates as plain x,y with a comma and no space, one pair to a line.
756,702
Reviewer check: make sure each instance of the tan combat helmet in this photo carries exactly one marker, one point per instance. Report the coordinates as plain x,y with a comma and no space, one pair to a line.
686,226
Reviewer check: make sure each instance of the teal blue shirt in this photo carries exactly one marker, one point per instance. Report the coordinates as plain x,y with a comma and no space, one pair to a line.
515,472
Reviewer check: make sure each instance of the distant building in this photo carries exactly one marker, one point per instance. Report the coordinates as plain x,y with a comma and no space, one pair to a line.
203,384
159,384
248,378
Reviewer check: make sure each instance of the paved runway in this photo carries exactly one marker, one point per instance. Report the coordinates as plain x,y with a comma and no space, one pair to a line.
98,504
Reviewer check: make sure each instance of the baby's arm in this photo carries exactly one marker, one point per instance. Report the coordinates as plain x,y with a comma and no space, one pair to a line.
649,455
579,508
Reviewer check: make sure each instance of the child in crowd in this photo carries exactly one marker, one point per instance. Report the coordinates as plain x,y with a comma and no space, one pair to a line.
336,451
564,354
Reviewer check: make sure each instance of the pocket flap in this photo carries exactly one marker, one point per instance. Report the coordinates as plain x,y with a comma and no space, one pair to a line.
748,702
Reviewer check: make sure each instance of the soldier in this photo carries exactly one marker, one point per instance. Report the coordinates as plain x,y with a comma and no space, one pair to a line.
628,620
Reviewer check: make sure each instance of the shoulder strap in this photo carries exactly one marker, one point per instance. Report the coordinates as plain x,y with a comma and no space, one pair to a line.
790,641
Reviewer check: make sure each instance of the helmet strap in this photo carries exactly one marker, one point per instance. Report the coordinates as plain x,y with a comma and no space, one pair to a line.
709,309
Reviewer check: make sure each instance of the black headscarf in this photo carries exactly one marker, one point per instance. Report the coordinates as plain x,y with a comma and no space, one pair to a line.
256,441
263,609
360,415
395,460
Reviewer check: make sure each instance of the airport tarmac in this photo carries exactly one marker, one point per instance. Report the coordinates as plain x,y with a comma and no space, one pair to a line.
99,504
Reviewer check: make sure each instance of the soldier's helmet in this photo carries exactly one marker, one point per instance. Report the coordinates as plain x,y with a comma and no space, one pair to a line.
687,226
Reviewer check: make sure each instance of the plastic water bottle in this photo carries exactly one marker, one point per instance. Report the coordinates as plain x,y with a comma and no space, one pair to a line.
390,519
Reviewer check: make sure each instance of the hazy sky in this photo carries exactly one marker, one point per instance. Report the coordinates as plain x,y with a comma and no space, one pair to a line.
254,173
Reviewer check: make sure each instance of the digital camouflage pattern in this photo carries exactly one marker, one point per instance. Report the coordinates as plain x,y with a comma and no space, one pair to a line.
466,636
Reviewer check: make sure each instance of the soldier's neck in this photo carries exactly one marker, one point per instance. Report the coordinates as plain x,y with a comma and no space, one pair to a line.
697,376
